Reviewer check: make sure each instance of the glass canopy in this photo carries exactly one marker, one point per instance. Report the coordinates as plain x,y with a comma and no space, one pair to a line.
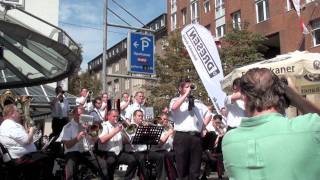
29,57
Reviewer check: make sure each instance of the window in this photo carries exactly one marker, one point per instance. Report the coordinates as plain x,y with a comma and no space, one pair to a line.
220,31
236,22
316,32
116,85
184,16
206,5
194,11
173,6
219,8
126,84
109,71
309,1
173,21
289,5
262,10
161,23
109,87
117,67
157,26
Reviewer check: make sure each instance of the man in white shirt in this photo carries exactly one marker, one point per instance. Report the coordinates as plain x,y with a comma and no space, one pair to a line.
235,106
95,112
165,145
111,149
189,119
20,146
84,100
124,104
77,146
106,105
138,104
140,152
59,111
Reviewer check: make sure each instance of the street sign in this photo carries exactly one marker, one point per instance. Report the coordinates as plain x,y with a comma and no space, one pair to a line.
141,53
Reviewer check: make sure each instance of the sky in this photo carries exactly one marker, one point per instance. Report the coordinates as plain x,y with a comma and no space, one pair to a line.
83,21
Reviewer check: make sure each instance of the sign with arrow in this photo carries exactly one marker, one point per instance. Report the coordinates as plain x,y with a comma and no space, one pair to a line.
141,53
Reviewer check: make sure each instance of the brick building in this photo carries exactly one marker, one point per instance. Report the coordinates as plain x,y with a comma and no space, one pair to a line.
275,19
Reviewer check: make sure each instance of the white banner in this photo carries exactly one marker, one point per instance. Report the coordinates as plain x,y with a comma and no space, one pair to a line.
205,57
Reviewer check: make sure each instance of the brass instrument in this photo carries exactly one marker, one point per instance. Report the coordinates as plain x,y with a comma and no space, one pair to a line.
148,123
23,104
128,128
92,127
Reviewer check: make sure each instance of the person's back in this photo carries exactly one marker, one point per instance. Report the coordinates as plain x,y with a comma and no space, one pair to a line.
272,147
267,145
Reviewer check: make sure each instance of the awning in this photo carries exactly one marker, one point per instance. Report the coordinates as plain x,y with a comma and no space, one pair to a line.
303,67
28,58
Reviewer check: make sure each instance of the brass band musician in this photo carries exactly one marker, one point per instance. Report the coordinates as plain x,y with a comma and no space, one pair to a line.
110,146
140,152
77,145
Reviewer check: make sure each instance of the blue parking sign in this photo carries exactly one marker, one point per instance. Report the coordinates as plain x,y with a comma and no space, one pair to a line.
141,53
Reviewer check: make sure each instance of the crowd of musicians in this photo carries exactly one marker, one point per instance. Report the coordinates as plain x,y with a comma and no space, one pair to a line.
179,153
192,134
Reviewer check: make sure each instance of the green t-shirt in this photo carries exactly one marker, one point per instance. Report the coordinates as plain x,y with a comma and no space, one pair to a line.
272,147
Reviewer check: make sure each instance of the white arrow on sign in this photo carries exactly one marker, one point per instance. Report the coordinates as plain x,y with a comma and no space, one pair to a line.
135,44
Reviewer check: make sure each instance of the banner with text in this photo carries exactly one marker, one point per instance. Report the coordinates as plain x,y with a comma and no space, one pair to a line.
205,57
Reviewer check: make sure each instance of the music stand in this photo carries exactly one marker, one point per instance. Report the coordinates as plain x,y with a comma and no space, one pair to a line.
148,135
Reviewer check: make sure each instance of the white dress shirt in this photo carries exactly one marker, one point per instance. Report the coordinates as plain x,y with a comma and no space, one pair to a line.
133,107
168,145
123,112
70,131
15,138
114,144
235,111
87,105
185,120
60,109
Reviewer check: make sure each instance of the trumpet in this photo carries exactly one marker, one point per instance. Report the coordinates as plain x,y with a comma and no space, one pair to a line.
148,123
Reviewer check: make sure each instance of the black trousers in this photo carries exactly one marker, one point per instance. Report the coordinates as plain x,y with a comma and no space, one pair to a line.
112,160
169,158
153,157
35,165
188,151
74,159
57,125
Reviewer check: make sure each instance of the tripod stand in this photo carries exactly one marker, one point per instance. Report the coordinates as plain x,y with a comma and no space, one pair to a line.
148,135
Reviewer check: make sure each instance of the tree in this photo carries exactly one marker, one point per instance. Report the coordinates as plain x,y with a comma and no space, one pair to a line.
171,69
84,80
241,47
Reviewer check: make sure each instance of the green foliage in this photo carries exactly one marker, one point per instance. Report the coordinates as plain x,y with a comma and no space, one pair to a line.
173,67
84,80
241,47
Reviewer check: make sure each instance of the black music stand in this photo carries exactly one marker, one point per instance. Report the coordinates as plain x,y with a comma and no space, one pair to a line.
148,135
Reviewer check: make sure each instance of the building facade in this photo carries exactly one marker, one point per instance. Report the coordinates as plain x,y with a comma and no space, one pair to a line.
275,19
117,63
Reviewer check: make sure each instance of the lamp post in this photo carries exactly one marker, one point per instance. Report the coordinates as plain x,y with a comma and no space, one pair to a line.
105,46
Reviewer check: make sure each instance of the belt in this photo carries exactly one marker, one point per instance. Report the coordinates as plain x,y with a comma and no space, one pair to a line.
191,133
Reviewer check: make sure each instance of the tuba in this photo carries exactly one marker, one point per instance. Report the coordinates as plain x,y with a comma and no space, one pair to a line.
23,104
